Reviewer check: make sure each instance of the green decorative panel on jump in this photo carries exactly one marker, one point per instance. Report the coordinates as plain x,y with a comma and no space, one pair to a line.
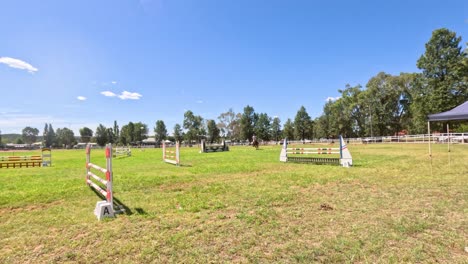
315,160
213,148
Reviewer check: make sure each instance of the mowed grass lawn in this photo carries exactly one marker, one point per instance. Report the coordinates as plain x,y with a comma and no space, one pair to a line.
242,206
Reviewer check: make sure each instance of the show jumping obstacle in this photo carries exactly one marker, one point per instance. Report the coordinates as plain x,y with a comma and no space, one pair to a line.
44,160
122,152
171,156
46,157
344,160
204,148
103,186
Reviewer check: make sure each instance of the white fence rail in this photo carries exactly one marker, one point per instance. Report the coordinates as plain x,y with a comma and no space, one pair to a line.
422,138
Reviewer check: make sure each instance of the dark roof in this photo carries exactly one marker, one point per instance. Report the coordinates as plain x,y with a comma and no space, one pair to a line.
458,113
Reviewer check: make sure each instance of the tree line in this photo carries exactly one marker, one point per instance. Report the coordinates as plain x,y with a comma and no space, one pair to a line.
388,104
392,103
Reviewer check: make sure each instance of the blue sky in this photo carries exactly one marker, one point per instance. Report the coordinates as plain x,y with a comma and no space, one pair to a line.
155,59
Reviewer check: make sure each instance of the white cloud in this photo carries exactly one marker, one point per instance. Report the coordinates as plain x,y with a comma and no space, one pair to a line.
129,95
125,95
114,82
18,64
81,98
332,99
199,102
108,94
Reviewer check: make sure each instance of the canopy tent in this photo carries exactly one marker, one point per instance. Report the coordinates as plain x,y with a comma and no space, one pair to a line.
458,113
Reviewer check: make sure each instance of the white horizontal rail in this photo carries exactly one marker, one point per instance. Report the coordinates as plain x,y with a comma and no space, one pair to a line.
97,178
97,167
171,161
97,187
315,149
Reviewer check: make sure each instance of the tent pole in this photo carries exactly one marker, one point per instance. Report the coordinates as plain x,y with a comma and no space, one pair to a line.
448,143
430,150
448,137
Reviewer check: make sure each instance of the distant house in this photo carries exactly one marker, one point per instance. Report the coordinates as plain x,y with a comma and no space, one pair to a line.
37,145
83,145
149,142
18,146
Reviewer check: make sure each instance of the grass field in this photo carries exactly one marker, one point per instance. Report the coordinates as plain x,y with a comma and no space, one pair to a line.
242,206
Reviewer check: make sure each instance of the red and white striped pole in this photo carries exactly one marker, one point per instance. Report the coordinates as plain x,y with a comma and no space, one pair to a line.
109,174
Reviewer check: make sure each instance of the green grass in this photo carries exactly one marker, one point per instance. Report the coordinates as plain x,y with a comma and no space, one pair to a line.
242,206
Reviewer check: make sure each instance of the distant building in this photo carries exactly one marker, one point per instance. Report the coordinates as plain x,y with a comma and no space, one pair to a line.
83,145
149,142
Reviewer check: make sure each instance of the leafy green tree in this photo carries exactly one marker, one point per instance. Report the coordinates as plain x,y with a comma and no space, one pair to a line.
101,135
127,134
325,121
445,72
236,127
193,125
302,124
338,118
262,127
1,143
160,131
44,134
131,132
387,100
229,124
247,123
65,137
213,131
19,141
178,133
276,129
86,134
110,135
123,140
403,115
116,132
29,134
318,129
345,116
140,131
50,137
348,113
288,129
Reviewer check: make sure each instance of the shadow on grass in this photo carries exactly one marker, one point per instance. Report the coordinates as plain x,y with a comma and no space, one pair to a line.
140,211
117,203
